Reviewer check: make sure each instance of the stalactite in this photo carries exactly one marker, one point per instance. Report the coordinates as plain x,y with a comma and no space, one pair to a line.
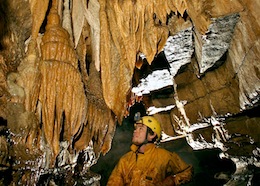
202,12
38,10
29,79
89,11
16,91
128,28
62,93
66,22
100,121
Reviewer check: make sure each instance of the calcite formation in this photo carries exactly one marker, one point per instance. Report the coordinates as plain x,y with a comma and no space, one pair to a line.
67,69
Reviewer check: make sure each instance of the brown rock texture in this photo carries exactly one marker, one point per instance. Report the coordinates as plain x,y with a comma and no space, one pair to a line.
72,85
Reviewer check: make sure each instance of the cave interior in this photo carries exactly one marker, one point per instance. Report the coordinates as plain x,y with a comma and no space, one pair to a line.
74,74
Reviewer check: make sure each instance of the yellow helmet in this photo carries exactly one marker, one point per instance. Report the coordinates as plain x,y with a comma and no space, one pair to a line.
152,123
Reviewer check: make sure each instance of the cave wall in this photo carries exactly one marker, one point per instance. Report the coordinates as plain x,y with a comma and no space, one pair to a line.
66,84
223,90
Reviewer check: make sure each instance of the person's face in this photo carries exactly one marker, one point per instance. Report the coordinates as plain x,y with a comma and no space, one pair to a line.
139,135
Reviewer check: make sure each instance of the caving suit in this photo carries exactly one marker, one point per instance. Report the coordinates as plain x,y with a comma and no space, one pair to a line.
149,168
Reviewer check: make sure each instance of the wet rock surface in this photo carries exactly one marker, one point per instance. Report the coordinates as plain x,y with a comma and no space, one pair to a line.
61,99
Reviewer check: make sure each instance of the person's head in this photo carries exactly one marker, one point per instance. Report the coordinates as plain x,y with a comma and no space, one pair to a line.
147,129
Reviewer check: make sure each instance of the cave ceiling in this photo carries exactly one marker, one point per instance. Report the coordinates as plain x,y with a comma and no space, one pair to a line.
72,70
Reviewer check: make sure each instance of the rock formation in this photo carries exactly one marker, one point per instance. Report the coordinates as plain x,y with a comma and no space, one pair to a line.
71,71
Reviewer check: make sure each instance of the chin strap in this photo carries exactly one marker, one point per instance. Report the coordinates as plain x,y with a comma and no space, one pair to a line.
139,146
137,151
145,141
